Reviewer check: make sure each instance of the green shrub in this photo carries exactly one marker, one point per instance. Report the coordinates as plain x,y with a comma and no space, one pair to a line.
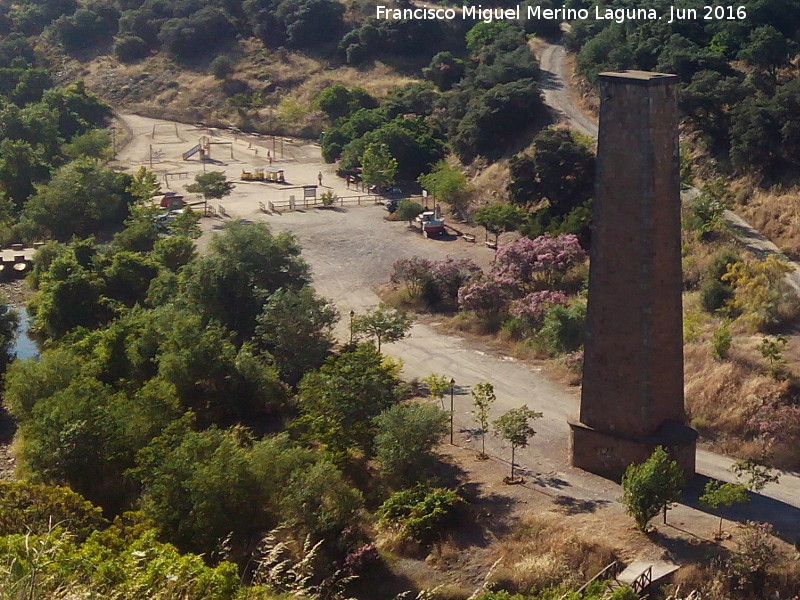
130,48
564,328
715,295
407,434
421,512
221,67
721,340
29,508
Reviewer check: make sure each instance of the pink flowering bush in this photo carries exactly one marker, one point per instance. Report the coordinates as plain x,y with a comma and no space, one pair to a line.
361,560
525,263
532,308
574,361
449,275
486,296
414,273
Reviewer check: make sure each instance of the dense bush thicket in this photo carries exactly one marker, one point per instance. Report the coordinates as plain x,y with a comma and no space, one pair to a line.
190,28
42,129
204,391
474,105
736,89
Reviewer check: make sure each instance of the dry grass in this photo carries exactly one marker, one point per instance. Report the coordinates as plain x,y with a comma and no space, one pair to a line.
775,213
286,81
539,554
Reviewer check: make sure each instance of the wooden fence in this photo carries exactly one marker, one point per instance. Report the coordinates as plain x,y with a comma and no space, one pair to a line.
298,203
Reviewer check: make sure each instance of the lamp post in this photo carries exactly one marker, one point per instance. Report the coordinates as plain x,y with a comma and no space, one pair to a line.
452,387
352,314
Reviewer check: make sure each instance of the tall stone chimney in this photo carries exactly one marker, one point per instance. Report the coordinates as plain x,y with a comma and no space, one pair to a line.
632,397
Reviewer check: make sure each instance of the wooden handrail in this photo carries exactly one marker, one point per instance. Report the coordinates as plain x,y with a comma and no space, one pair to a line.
612,570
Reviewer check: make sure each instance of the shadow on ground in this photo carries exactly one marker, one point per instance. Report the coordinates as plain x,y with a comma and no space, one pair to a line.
785,518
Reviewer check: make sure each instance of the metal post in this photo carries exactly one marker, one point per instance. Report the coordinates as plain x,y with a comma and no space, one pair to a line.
452,387
352,314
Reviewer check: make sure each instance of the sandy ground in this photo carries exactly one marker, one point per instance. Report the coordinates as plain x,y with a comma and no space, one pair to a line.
351,251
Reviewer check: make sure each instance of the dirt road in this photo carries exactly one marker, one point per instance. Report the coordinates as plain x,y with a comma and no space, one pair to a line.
558,95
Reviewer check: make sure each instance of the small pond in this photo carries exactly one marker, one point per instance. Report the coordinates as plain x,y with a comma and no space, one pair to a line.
24,347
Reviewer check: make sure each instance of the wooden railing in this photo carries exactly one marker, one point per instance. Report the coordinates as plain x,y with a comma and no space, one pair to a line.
643,580
609,572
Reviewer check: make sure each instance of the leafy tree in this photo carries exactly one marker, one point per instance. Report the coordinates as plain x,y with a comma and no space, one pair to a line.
438,386
651,487
69,296
448,184
338,101
757,289
307,22
379,166
220,383
405,438
141,231
339,402
499,218
21,167
318,501
245,265
95,143
723,494
128,276
756,475
483,397
771,349
558,179
295,329
491,121
86,26
81,198
514,427
384,324
144,185
483,34
199,487
408,210
201,32
76,109
444,70
767,50
212,185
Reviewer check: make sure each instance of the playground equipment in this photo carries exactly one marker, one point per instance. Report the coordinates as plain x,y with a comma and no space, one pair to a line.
203,147
269,174
164,125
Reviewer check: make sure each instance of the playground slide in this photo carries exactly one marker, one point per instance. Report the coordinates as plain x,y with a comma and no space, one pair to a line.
191,152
